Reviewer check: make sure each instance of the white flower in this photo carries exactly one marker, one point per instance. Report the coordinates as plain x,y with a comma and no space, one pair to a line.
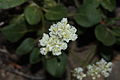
106,67
44,40
55,41
52,44
93,71
78,73
100,68
56,51
64,20
65,31
43,51
55,45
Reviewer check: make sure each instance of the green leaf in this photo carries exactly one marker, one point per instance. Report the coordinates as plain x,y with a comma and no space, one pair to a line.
103,35
16,30
87,16
5,4
33,14
109,4
49,3
56,12
26,46
56,66
116,31
93,3
35,56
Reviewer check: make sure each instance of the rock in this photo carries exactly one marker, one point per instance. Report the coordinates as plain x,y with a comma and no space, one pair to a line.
115,74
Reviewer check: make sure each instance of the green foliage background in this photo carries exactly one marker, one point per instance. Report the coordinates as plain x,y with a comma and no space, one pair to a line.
37,16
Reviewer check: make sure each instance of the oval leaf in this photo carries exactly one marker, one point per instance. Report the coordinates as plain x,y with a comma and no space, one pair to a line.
5,4
93,3
103,35
32,14
109,4
35,56
87,16
56,66
116,31
25,47
15,30
56,12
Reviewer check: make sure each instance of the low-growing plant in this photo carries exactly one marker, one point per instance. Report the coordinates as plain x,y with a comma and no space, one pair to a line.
37,16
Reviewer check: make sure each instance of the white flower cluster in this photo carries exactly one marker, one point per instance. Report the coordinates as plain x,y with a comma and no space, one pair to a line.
100,68
93,71
63,30
60,34
96,70
106,67
78,73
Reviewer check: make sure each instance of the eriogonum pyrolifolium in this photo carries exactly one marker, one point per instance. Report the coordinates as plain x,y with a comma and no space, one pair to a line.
78,73
101,68
63,30
56,41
